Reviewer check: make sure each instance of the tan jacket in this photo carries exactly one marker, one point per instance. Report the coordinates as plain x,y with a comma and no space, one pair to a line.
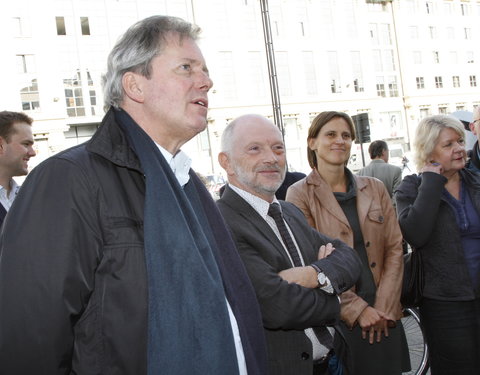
380,229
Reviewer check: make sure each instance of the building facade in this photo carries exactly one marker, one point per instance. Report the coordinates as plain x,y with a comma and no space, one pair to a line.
398,61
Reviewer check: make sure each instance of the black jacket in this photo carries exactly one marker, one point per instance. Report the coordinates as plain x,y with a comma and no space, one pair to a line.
428,223
287,308
473,162
73,286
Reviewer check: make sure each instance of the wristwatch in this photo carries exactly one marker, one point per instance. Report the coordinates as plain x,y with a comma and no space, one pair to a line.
321,277
323,281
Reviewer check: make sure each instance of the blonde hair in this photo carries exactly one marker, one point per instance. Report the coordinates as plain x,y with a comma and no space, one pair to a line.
426,136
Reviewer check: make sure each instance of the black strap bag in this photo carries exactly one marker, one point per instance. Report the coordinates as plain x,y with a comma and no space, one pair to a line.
413,279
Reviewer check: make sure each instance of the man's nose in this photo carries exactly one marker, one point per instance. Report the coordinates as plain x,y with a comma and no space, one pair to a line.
206,82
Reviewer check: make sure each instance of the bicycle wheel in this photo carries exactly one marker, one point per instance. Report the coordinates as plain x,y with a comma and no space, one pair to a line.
417,346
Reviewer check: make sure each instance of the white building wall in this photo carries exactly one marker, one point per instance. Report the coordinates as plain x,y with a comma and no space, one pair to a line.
232,41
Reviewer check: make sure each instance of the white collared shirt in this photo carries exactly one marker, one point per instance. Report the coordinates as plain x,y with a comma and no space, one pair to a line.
261,206
7,199
180,164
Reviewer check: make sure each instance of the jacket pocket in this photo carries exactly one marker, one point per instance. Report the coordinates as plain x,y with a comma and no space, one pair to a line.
121,230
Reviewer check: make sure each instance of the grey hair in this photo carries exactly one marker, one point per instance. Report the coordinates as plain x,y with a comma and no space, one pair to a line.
227,137
426,136
135,50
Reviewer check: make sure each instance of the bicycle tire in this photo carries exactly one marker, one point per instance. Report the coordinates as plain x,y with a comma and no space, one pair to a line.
417,346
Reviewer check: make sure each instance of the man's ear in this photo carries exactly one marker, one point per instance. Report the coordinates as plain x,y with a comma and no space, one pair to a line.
472,128
2,144
132,87
224,162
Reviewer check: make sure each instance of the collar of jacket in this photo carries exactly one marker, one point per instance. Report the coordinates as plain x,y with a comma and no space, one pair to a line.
314,178
110,142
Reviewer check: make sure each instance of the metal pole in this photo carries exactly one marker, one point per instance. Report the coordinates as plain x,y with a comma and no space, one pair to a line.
272,70
400,73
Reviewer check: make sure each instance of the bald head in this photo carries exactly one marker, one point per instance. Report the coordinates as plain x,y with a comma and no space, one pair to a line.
238,126
253,155
475,124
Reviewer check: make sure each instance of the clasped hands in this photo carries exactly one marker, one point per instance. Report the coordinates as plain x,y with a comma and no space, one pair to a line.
373,323
306,276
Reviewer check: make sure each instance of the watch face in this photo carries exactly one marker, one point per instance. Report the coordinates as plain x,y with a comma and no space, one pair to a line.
322,279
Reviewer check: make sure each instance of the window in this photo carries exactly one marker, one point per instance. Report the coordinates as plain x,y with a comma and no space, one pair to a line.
411,6
309,70
454,57
460,107
77,134
470,57
420,83
473,81
74,95
61,30
256,74
429,7
438,82
85,25
464,9
433,32
417,57
91,93
335,85
436,57
450,32
226,73
424,112
380,87
377,61
374,33
467,33
26,64
447,8
283,70
413,32
392,86
443,110
20,27
357,71
456,81
30,97
389,60
385,35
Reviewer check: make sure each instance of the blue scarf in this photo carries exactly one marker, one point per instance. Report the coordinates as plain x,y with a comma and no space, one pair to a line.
189,329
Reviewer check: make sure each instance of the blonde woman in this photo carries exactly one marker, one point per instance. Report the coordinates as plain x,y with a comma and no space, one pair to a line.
438,211
358,211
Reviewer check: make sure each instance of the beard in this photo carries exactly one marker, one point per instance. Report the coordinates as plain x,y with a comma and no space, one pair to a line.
265,188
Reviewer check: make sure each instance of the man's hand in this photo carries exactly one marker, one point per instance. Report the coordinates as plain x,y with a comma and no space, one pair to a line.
373,321
325,250
304,276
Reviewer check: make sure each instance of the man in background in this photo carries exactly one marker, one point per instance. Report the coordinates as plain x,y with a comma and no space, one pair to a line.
474,154
16,149
390,175
294,271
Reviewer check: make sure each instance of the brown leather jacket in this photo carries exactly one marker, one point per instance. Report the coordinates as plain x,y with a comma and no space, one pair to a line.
380,229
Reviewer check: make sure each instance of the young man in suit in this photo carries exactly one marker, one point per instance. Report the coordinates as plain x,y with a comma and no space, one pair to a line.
16,149
296,275
389,174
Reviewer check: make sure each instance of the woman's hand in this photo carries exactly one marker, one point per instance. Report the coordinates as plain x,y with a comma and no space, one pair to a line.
373,321
325,250
432,167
